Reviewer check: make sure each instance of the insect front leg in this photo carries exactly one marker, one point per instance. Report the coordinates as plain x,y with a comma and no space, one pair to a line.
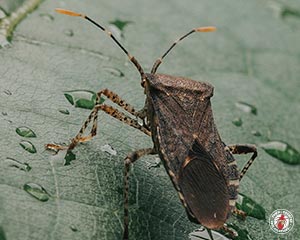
79,138
131,158
243,149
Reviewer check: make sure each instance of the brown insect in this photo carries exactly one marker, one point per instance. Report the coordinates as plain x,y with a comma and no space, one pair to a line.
178,116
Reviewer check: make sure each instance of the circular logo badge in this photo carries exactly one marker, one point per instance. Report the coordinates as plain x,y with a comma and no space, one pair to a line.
281,221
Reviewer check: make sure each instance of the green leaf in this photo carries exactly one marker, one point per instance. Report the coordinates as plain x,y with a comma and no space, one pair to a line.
252,58
250,207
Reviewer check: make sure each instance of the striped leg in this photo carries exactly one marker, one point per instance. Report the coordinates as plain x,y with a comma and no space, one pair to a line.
227,230
94,115
131,158
244,149
239,213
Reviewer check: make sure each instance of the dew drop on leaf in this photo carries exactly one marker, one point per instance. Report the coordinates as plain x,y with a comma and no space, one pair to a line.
282,151
117,27
2,15
69,157
25,132
69,32
18,164
64,111
246,107
237,122
2,234
7,92
81,98
120,24
36,191
73,228
256,133
289,12
250,207
108,149
28,146
47,16
114,71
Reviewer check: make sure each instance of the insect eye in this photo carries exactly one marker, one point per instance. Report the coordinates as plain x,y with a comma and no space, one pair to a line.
143,82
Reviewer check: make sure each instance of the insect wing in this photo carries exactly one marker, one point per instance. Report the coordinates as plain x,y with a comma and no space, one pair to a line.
180,108
204,188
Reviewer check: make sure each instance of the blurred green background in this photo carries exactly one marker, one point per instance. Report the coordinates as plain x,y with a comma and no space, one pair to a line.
254,58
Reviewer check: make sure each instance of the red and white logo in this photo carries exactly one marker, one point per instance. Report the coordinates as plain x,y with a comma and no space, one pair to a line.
281,221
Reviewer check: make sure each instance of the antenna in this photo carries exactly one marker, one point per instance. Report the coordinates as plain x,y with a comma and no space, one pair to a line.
159,60
131,58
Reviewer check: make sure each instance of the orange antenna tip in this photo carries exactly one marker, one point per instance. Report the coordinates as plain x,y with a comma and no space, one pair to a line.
206,29
68,12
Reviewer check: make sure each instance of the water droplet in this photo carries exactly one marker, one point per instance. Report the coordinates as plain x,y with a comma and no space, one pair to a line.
114,71
289,12
47,16
25,132
203,235
73,228
28,146
250,207
81,98
17,164
69,32
36,191
107,148
246,107
120,24
117,26
64,111
282,151
4,113
2,234
156,164
2,15
69,157
237,122
256,133
4,43
7,92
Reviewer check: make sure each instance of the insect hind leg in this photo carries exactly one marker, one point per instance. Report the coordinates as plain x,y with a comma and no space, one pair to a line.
244,149
131,158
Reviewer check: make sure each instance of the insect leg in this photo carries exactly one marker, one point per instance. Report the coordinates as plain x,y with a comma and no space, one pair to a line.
131,158
210,234
244,149
232,233
107,109
115,98
239,213
94,115
79,138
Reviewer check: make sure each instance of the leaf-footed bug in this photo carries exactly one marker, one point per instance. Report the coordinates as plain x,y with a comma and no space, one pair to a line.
178,116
